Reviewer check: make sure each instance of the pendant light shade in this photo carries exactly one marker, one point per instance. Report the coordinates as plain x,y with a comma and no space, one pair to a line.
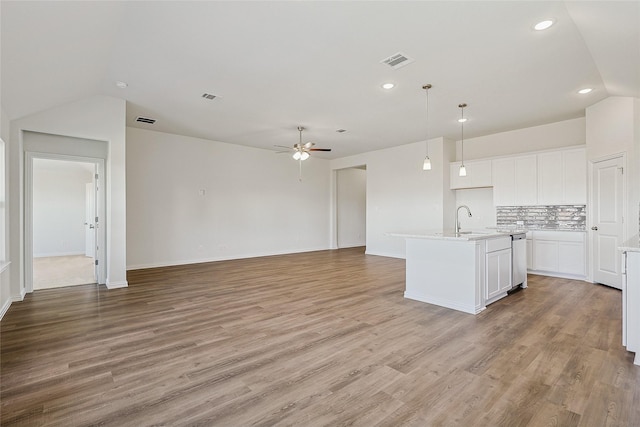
463,170
426,165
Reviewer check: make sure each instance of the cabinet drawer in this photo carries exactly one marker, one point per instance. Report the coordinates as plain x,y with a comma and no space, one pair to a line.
498,244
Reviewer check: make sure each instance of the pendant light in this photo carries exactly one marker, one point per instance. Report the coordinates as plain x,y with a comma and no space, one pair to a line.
463,170
426,165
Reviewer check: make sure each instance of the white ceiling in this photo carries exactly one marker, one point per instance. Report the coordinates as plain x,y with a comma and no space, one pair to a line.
277,65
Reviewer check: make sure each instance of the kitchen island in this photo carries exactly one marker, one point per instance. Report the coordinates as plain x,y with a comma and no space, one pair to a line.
631,300
461,271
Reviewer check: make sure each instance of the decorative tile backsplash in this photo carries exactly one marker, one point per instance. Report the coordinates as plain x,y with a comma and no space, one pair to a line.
556,217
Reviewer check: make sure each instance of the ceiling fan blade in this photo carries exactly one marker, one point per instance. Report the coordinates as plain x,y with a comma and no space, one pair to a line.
283,152
319,149
282,146
309,144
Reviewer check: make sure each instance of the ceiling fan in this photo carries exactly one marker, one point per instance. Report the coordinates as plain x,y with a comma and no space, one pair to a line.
301,151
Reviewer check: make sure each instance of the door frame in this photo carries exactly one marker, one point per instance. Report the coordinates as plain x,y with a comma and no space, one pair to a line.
591,208
333,219
101,201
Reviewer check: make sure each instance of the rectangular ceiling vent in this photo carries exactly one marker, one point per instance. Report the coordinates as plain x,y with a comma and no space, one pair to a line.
145,120
208,96
398,60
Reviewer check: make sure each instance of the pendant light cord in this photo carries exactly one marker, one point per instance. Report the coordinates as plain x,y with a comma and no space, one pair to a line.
462,135
426,88
462,131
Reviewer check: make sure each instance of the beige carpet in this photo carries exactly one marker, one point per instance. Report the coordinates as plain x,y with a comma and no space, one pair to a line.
59,271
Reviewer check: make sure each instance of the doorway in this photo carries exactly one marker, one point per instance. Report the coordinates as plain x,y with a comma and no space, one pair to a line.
607,220
351,207
62,233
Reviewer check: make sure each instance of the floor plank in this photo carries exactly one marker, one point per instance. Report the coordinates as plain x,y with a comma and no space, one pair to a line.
313,339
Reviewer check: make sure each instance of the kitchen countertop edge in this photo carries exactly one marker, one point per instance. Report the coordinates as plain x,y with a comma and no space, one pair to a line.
440,235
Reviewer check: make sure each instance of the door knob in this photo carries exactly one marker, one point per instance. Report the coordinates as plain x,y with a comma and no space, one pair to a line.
594,228
91,226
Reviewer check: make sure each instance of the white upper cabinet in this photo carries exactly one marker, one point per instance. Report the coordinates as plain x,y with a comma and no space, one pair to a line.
478,174
550,191
548,178
504,186
575,176
562,177
514,181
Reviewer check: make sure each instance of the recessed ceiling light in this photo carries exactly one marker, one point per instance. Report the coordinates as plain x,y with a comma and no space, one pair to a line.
543,25
388,86
462,120
121,85
585,90
341,130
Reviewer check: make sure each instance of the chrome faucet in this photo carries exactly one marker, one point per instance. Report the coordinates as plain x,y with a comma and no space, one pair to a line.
457,212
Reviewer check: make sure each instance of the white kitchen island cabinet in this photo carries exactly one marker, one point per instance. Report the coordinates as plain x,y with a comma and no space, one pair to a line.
461,272
631,301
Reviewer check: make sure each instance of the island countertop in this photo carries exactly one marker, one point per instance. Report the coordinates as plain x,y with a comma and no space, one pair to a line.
452,235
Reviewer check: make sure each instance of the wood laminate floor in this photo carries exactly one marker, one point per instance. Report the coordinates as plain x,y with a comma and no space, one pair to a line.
314,339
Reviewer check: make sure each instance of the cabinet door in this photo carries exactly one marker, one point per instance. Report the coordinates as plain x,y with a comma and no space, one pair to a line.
482,176
575,176
478,174
550,176
525,179
571,258
457,181
545,255
504,188
529,254
498,272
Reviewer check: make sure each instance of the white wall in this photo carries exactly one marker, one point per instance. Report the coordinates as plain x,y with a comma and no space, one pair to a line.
400,195
253,203
5,269
480,202
351,204
5,273
59,193
99,118
613,127
545,137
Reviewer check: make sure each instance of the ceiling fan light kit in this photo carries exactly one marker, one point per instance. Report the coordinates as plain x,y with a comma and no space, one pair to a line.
302,151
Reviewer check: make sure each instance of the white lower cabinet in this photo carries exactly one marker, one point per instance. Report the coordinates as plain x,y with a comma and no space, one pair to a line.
559,253
630,303
545,255
498,277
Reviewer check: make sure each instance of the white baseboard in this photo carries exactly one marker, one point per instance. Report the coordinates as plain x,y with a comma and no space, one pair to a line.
222,258
559,275
54,254
5,307
444,303
116,285
385,254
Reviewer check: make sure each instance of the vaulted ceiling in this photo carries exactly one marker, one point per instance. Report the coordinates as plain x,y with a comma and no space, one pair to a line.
275,65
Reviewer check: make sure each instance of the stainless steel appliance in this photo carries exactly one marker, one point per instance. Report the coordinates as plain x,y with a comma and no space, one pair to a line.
519,260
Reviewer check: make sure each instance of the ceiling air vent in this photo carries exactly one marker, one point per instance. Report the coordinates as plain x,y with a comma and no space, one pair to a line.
145,120
398,60
208,96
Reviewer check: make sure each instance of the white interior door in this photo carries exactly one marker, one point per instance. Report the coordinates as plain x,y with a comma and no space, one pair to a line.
607,230
89,222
